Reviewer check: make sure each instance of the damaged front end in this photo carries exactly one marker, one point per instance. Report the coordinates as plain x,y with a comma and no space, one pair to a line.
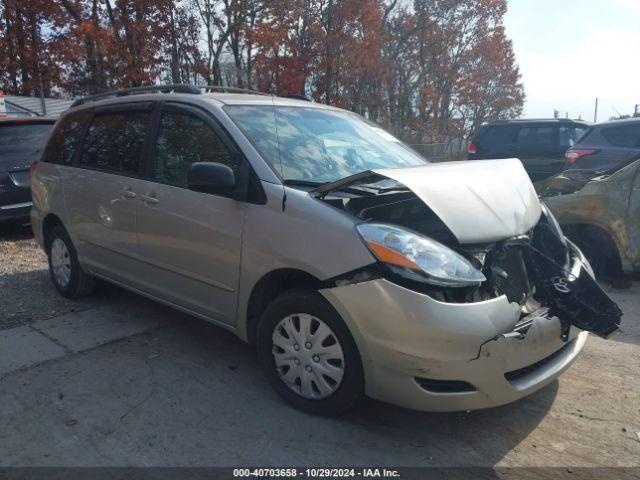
473,235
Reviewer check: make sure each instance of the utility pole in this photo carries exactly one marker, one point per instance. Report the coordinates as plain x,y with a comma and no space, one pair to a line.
595,113
43,104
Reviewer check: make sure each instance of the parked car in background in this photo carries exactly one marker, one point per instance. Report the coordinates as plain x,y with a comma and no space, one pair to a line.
539,144
600,212
21,140
606,146
352,263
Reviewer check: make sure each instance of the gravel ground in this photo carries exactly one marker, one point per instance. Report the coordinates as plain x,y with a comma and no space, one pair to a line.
26,293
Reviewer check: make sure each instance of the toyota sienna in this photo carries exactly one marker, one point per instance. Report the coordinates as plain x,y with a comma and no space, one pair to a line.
355,266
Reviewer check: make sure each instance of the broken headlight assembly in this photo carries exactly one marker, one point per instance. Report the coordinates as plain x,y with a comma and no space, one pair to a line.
551,221
419,258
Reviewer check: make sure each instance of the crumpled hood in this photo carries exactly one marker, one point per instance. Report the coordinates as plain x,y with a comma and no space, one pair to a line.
479,201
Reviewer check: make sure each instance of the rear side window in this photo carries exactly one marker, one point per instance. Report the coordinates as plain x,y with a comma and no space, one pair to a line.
184,139
114,142
623,136
500,135
535,136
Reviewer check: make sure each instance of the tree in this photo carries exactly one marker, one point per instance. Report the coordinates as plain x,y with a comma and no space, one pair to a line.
429,70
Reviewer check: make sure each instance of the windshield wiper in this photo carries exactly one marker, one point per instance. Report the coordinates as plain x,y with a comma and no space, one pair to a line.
352,189
303,183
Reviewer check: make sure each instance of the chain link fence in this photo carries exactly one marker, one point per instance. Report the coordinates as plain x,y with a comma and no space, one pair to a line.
442,152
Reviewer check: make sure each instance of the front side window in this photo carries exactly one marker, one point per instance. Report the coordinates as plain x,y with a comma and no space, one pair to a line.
65,138
319,145
184,139
114,142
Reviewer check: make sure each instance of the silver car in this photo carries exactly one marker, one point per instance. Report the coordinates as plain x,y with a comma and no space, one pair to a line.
353,265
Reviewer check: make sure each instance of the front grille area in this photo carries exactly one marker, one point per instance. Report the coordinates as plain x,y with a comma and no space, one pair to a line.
516,285
524,371
444,386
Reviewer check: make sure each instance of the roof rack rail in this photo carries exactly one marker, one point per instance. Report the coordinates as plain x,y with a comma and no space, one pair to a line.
295,96
223,89
175,88
522,120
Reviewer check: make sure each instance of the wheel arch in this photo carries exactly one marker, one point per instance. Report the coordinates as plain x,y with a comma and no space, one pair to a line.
49,222
270,286
608,242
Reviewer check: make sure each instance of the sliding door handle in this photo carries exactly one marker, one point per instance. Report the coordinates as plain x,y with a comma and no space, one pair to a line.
127,193
149,199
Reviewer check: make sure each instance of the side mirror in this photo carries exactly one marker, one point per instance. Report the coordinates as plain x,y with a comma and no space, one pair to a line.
211,177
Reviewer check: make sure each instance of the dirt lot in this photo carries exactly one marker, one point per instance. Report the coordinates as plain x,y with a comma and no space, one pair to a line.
118,380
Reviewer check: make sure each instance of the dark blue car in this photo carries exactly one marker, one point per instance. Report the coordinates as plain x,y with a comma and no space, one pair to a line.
606,147
539,143
21,140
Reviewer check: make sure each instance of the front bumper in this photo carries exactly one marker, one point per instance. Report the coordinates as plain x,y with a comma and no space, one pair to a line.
405,335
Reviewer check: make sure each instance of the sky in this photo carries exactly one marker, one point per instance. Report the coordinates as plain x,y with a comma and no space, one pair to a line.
572,51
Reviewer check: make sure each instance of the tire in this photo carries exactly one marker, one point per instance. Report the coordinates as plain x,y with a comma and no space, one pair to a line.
65,270
602,253
332,386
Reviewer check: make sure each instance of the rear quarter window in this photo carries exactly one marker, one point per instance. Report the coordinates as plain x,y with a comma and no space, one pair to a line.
64,140
571,134
623,136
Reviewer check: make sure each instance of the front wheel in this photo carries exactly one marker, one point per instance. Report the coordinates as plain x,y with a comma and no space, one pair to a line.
309,355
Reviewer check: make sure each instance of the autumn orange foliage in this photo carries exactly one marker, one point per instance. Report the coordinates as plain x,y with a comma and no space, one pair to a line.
430,71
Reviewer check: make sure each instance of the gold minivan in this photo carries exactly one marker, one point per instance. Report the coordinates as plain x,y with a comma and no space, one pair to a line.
353,264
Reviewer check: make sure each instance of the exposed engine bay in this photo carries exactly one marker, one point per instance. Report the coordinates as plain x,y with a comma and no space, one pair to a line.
538,268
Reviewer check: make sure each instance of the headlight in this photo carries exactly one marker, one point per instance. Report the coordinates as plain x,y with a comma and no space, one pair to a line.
428,260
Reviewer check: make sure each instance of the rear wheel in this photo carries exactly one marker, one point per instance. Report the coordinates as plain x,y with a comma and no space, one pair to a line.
65,270
309,355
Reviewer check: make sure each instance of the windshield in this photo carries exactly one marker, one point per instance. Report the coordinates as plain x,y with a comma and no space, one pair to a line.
20,144
319,145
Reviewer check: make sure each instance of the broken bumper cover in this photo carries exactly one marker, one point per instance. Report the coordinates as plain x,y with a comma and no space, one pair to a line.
406,337
424,354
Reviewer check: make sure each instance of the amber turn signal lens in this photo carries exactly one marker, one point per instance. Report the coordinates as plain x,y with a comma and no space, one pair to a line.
387,255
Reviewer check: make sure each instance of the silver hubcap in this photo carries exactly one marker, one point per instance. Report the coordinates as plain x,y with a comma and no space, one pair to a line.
308,356
60,262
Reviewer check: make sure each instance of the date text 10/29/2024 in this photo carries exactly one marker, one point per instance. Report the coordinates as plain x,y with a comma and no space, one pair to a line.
272,473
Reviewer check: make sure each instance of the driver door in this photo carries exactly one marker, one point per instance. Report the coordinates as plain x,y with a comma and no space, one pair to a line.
189,241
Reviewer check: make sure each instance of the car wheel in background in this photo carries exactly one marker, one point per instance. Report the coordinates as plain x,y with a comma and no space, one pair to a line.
64,268
309,355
